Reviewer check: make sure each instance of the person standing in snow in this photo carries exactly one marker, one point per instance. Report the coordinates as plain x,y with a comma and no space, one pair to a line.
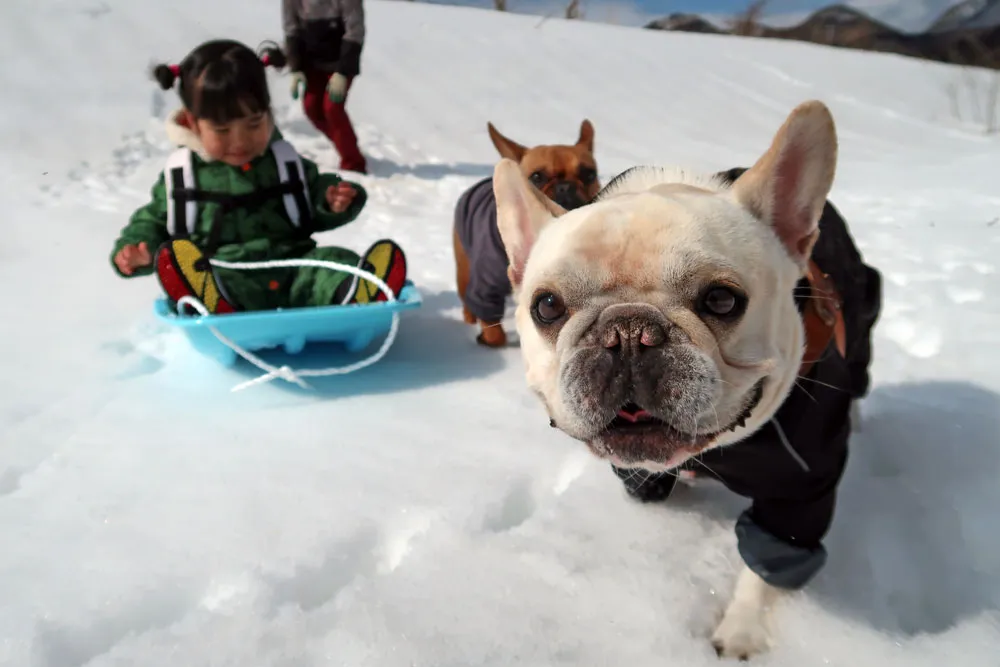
323,42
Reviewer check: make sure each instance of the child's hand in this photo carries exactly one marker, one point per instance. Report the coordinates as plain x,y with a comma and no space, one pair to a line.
132,257
339,197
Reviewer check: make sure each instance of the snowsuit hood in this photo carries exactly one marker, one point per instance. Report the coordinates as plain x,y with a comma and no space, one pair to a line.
179,133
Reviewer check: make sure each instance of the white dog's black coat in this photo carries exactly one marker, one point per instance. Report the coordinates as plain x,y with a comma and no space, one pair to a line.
791,468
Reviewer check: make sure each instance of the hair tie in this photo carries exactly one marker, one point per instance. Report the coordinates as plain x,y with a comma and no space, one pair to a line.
175,69
266,59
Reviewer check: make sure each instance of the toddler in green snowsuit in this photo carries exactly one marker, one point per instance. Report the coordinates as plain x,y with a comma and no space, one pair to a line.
238,196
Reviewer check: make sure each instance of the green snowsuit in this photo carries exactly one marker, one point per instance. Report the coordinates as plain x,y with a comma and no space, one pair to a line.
264,233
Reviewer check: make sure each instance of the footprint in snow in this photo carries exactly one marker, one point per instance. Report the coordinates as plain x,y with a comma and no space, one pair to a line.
516,507
520,502
982,268
10,481
571,470
367,553
58,643
919,341
398,544
134,362
962,295
308,586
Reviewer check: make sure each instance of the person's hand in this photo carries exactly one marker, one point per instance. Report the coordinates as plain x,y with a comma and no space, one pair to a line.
298,86
132,257
336,88
339,197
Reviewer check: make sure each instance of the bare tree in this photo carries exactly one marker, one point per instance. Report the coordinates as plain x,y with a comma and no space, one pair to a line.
500,5
573,10
977,88
748,22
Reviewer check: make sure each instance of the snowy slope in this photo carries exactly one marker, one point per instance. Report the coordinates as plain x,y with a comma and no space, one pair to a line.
422,512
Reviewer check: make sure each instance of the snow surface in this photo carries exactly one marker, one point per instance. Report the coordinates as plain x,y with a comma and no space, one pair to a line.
422,512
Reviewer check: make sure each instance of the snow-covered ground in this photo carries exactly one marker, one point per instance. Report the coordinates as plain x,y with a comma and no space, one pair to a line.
422,512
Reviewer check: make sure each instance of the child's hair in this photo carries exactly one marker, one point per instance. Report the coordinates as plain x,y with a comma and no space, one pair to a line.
223,80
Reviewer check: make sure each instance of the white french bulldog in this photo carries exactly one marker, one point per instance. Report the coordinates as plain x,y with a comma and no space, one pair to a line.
656,323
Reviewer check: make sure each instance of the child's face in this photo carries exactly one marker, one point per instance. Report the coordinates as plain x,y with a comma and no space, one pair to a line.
236,142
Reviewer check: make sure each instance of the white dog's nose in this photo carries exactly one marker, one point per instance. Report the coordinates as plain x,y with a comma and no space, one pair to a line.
628,330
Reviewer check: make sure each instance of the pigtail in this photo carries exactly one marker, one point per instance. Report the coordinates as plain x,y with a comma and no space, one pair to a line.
166,75
271,55
222,79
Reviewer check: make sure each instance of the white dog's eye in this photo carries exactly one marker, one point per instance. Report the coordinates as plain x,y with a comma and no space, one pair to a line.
723,302
548,308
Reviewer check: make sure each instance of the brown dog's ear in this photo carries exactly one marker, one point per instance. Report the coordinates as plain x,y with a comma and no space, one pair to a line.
522,212
788,186
586,138
507,148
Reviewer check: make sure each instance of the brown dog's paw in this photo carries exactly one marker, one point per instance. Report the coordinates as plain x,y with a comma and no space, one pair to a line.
492,335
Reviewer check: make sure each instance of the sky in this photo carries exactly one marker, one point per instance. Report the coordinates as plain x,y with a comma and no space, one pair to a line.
912,15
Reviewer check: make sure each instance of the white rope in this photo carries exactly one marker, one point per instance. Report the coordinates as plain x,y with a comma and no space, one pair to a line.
285,372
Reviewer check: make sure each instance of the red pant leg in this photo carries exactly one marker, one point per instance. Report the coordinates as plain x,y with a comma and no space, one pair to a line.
313,100
341,133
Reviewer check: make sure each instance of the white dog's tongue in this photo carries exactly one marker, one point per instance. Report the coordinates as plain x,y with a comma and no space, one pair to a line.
633,415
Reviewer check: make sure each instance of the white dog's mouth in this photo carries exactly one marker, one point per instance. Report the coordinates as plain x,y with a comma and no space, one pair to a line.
635,435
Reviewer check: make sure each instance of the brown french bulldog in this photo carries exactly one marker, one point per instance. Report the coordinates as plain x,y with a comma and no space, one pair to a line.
565,173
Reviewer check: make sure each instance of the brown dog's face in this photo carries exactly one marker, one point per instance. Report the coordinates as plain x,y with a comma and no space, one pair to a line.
566,174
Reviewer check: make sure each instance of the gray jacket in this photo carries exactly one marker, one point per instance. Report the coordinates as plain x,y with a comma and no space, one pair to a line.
324,35
476,227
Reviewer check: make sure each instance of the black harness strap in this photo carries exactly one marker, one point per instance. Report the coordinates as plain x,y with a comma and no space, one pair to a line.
230,202
299,192
180,211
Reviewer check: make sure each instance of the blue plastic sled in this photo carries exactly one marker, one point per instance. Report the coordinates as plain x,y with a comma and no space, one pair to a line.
355,326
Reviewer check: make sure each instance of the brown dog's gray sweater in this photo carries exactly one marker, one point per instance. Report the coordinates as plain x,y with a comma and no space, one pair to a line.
476,227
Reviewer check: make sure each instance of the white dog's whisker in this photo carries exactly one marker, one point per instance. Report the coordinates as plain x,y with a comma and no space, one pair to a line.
694,428
819,382
718,422
697,459
805,391
817,298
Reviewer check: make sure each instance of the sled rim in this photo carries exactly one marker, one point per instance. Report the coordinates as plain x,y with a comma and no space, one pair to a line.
409,297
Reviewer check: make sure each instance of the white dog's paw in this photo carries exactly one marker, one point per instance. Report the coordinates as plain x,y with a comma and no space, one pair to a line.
742,633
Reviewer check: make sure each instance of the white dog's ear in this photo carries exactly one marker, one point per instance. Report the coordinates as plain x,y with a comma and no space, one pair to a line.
788,186
522,212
